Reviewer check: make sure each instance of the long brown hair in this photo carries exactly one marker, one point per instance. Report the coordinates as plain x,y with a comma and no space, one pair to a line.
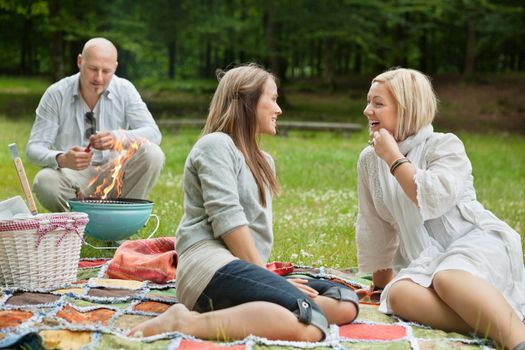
233,111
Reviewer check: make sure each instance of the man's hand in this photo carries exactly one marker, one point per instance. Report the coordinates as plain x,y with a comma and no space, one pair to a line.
102,140
75,158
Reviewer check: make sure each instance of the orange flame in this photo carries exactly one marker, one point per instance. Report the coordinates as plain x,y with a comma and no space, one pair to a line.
111,173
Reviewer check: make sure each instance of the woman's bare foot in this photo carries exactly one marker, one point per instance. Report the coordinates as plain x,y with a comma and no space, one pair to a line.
176,318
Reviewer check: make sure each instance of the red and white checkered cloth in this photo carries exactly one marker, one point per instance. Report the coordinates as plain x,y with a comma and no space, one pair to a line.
45,223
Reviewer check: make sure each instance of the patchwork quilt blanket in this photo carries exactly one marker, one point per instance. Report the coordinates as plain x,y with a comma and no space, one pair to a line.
97,312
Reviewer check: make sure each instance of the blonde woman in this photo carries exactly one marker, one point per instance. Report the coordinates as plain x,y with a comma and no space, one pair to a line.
225,236
442,259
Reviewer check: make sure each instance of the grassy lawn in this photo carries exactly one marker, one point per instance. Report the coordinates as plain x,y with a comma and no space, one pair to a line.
314,215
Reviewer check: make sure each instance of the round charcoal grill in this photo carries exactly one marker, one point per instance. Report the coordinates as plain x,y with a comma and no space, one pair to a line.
125,201
113,219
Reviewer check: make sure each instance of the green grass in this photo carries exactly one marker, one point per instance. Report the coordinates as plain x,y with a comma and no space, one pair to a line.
499,174
20,85
314,215
19,96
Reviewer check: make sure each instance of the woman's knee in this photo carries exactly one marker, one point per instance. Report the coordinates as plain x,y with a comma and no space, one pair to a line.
349,312
344,312
439,281
346,307
444,280
312,334
306,333
310,314
398,294
342,304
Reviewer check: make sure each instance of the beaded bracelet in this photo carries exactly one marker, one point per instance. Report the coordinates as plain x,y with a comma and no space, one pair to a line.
396,163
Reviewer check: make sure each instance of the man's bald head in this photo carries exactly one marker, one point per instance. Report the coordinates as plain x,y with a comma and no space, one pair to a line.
100,45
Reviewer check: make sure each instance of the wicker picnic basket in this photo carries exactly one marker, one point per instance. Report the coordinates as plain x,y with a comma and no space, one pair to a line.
42,251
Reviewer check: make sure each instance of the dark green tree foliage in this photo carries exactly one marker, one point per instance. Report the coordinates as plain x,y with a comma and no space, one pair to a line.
294,38
20,25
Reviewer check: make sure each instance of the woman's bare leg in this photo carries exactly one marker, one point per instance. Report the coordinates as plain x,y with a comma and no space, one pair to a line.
481,305
259,318
413,302
336,311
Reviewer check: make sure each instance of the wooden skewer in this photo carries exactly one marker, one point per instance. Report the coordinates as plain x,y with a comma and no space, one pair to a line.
23,178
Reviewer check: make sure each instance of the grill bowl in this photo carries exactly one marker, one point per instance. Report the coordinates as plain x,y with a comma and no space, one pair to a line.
113,219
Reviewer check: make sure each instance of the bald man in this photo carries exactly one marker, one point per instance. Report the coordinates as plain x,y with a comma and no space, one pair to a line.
79,121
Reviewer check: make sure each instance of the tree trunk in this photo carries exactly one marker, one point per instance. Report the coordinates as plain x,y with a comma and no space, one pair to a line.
216,61
423,50
312,56
72,49
25,62
470,50
401,51
206,59
229,56
329,63
57,42
357,60
345,63
432,61
172,50
318,58
242,53
275,61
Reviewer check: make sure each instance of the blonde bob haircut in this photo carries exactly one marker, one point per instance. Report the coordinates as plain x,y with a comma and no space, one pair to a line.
415,98
233,111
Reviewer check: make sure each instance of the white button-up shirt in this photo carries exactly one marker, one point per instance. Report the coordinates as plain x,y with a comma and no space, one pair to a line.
59,123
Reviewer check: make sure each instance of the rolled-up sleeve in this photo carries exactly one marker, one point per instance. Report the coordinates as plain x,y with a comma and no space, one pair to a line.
442,183
216,164
44,131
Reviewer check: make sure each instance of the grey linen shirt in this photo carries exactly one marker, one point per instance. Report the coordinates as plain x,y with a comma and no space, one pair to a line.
59,123
220,195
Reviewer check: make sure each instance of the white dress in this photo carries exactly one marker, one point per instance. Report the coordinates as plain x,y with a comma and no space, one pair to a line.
449,229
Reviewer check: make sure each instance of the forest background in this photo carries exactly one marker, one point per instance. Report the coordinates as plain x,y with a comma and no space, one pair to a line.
474,49
324,52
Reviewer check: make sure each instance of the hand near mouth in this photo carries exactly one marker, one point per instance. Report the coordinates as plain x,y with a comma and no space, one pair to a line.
385,145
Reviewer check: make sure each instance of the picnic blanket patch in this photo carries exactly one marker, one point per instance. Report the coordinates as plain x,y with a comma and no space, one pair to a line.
97,312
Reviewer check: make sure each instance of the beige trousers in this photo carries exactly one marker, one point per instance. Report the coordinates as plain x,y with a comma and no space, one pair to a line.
53,187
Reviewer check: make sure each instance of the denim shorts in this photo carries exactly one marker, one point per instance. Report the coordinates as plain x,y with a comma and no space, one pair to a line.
240,282
333,290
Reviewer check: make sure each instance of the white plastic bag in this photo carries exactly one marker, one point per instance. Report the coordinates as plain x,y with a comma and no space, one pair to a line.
14,208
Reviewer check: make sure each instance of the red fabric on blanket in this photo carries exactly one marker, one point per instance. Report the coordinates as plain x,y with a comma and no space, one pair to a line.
280,268
188,344
365,331
145,259
87,263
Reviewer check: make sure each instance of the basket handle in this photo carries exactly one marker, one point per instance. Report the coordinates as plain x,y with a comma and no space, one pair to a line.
45,226
156,226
